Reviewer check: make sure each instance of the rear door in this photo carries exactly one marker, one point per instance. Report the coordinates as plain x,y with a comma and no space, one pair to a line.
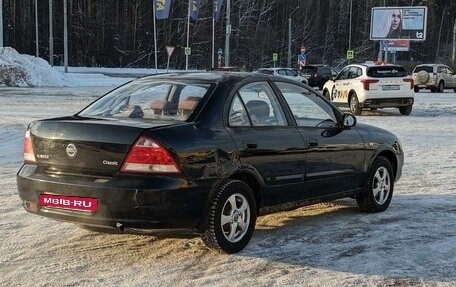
267,145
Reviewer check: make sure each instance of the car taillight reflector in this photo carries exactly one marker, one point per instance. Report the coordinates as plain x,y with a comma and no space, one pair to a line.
367,82
29,155
146,156
409,81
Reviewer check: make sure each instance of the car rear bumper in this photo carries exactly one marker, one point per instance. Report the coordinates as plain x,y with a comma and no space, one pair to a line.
387,102
126,200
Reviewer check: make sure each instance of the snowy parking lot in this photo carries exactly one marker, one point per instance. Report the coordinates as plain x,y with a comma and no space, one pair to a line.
412,243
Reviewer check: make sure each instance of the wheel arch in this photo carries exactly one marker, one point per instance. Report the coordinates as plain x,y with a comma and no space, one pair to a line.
390,156
246,176
253,182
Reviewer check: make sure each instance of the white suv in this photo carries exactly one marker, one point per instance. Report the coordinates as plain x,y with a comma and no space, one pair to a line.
435,77
371,86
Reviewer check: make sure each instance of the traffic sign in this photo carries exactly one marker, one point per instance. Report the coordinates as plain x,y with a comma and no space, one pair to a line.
170,50
275,56
188,51
219,51
350,54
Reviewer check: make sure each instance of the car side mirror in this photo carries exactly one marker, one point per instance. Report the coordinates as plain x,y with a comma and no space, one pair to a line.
349,120
332,78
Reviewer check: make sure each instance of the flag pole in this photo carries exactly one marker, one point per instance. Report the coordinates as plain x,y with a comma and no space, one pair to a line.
188,33
155,36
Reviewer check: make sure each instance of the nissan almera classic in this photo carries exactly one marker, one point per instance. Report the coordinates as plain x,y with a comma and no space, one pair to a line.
204,151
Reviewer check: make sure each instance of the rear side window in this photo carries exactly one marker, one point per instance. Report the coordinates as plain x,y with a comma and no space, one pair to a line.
386,72
423,68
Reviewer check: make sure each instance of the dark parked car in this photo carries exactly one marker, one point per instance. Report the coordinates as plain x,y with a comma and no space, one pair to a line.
317,75
205,151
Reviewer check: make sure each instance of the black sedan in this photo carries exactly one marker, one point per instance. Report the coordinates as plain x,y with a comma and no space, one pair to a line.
206,151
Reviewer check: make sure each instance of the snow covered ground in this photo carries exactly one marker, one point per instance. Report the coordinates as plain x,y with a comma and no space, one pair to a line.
413,243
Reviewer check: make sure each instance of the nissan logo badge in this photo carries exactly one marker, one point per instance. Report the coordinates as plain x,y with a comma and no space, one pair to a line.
71,150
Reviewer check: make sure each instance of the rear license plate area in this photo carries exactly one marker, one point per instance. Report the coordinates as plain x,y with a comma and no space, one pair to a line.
75,203
390,87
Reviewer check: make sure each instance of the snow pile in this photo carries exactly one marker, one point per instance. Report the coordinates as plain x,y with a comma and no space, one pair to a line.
21,70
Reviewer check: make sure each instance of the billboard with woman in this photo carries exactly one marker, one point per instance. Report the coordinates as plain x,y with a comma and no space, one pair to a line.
395,23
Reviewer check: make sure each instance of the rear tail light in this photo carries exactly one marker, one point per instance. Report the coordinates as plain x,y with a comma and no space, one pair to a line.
29,154
367,82
409,81
146,156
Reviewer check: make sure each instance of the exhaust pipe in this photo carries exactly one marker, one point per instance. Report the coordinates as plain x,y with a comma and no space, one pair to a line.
120,226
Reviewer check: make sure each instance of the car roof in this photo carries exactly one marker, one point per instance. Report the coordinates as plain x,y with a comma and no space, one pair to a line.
208,77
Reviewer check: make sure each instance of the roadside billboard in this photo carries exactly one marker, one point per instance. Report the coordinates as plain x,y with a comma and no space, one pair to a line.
397,45
395,23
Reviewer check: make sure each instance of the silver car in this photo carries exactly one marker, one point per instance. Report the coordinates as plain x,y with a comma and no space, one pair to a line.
285,73
435,77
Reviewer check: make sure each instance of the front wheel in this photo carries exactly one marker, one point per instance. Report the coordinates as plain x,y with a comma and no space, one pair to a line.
231,218
378,188
326,94
354,105
405,110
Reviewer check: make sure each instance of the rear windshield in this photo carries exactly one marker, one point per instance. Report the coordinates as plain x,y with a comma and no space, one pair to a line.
386,72
149,99
423,68
268,72
308,70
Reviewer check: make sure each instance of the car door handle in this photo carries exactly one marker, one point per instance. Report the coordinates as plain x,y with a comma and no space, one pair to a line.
312,143
250,144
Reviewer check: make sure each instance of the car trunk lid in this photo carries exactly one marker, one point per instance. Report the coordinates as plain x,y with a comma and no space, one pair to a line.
85,146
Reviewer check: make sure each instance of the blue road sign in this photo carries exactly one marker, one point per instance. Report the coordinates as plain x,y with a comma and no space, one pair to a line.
220,51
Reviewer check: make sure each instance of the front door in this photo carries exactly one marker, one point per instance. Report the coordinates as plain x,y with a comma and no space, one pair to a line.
334,155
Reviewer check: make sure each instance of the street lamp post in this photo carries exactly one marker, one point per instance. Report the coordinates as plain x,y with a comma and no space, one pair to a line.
289,38
1,23
350,27
228,32
289,44
454,43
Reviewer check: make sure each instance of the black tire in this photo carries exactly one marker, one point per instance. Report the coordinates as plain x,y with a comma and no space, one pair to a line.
416,89
454,90
378,188
354,105
326,94
405,110
441,87
239,220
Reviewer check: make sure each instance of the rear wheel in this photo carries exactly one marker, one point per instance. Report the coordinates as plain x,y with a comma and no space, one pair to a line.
231,218
354,105
441,87
378,188
416,89
405,110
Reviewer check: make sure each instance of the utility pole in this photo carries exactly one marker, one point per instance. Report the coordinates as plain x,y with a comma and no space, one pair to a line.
51,39
350,28
65,36
228,32
36,29
454,43
289,44
1,23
